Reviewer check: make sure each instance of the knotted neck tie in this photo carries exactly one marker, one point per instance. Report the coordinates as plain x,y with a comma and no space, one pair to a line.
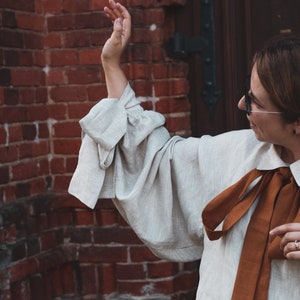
278,204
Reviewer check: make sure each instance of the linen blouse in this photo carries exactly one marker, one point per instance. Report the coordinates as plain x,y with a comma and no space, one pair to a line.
160,184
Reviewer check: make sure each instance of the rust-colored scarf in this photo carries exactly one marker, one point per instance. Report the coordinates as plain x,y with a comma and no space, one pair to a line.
278,204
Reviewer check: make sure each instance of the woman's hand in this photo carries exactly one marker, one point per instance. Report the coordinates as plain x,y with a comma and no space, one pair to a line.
290,239
116,44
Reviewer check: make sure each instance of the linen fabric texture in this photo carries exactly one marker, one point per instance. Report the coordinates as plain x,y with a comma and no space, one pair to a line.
160,185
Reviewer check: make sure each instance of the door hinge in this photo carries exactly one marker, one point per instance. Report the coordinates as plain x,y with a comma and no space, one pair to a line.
204,43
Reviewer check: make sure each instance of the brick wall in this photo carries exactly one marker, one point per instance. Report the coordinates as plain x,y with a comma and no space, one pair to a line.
52,246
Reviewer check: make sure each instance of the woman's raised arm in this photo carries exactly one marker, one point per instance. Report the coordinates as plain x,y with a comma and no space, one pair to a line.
115,78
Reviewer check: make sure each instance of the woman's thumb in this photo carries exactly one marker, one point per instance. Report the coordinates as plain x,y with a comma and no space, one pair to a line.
118,26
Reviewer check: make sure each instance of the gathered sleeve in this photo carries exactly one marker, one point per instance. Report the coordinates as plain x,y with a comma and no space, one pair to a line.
154,180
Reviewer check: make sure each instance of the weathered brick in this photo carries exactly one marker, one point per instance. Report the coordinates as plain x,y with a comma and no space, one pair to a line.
68,93
27,77
142,253
83,75
30,21
5,76
9,19
107,217
20,290
63,58
89,280
105,254
84,217
33,40
29,132
11,39
107,279
15,133
37,289
66,129
89,56
79,235
68,279
124,236
143,288
4,174
22,269
13,114
11,96
162,269
131,271
53,40
55,77
52,6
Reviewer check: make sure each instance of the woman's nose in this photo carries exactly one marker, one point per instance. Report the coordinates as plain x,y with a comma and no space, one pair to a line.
242,104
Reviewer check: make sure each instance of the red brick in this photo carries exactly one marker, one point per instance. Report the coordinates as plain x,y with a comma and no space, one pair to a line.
131,271
71,163
162,269
75,6
142,288
4,175
89,57
39,58
186,281
64,146
77,39
124,236
27,77
58,165
176,124
24,170
22,269
57,111
89,282
173,105
15,133
84,217
61,183
27,95
48,240
53,40
78,110
83,75
97,92
19,290
66,129
55,77
68,93
107,217
107,279
103,254
142,253
37,186
30,21
52,6
63,58
98,4
33,40
68,279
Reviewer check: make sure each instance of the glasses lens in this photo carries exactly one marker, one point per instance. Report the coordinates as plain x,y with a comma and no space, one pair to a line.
247,97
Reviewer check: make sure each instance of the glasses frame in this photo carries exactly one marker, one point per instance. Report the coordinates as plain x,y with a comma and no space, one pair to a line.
248,101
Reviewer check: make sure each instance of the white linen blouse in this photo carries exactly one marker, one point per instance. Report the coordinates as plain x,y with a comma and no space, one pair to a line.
161,184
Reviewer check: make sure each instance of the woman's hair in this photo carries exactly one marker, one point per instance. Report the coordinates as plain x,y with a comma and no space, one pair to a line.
278,68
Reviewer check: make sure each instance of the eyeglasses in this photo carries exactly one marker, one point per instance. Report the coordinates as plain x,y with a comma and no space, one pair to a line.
248,101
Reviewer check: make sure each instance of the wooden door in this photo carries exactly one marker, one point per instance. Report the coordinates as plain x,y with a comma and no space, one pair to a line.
240,28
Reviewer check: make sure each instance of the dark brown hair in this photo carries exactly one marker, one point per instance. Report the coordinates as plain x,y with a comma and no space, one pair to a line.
278,68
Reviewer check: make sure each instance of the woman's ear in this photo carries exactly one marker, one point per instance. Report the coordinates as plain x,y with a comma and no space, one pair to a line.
296,129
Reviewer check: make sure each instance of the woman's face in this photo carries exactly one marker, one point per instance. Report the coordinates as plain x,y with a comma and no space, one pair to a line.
268,127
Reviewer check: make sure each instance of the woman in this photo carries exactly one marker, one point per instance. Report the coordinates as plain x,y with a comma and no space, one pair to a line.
231,200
